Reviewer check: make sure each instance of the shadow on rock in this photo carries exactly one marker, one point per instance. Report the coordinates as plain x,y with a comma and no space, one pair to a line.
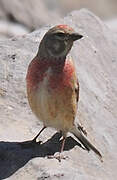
14,155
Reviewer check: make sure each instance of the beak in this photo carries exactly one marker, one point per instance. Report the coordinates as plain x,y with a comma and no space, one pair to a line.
75,36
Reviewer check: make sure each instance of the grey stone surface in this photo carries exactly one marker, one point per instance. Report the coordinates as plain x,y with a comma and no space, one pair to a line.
32,14
96,61
18,17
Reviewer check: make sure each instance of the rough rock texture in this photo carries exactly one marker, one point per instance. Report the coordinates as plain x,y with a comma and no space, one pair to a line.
35,13
30,13
20,17
10,29
96,61
112,24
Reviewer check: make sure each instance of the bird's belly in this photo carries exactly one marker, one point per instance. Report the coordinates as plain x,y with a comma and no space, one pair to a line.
54,100
54,107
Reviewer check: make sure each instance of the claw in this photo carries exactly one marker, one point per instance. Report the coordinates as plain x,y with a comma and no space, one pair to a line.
59,157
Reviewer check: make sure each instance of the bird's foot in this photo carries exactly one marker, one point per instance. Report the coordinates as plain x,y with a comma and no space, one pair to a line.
57,156
81,128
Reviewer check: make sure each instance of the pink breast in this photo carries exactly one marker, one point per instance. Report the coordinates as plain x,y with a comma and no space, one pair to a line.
63,78
59,77
36,73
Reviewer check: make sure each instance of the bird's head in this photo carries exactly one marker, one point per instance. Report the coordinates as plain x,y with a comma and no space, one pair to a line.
58,41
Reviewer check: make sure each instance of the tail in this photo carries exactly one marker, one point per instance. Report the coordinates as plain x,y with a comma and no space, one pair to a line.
85,142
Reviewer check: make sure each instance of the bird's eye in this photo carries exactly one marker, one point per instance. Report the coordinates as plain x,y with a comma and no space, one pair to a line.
60,34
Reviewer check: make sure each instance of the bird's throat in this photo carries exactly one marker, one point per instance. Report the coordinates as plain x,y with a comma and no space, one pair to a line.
56,63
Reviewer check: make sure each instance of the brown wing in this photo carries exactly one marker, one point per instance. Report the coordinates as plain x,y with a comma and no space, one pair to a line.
80,127
77,91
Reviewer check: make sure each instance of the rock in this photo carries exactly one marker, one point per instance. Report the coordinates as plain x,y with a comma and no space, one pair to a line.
95,59
112,24
10,29
32,14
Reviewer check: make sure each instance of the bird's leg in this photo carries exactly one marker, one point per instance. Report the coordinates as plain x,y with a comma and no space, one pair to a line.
59,156
31,143
63,144
34,139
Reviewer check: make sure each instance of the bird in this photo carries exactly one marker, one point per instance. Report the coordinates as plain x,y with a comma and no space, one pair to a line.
53,86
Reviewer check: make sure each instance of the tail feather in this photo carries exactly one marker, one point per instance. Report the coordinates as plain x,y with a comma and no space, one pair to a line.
85,142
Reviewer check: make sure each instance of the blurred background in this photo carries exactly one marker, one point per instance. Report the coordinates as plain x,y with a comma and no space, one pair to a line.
19,17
